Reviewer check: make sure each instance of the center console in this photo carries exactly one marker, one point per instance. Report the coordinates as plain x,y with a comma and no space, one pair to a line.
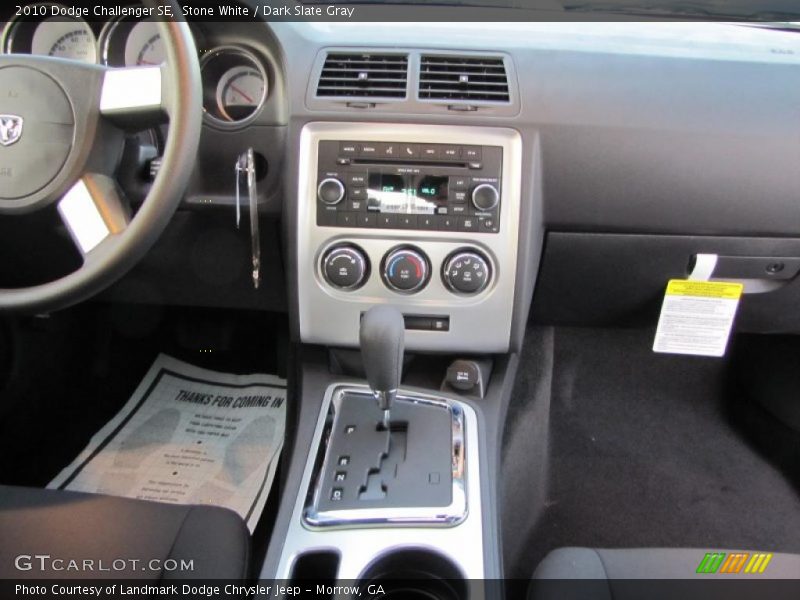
407,237
425,218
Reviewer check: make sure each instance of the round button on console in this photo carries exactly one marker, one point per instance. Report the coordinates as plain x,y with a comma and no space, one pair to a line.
330,191
345,267
405,270
467,272
485,197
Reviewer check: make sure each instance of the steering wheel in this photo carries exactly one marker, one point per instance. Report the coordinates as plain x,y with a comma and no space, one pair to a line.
61,139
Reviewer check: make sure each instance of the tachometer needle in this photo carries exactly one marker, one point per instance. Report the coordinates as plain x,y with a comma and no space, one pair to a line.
242,94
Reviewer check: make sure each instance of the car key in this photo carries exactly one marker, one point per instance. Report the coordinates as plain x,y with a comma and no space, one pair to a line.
246,164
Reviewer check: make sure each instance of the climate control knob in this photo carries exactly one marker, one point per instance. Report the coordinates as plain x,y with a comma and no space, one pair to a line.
330,191
485,197
467,272
406,270
345,267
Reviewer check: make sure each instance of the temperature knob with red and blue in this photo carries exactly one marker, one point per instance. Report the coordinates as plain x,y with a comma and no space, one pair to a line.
406,270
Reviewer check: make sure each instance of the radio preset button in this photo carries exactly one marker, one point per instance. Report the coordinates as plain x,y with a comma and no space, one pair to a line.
407,221
427,222
330,191
387,221
405,270
367,220
447,223
346,219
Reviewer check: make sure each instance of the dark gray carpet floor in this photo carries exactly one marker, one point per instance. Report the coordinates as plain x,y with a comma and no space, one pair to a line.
641,452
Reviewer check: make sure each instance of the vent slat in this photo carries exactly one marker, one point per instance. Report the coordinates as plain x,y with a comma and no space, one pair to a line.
348,75
472,83
472,95
463,78
455,74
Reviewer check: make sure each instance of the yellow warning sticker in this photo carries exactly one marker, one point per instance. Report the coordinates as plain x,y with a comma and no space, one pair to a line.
697,317
705,289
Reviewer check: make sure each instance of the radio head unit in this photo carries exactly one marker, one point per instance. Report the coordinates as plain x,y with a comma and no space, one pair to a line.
390,185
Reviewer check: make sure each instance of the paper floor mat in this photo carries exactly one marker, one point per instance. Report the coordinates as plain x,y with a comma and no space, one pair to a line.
188,436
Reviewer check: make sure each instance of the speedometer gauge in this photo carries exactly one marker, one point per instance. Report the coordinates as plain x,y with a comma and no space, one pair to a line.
240,92
72,39
144,45
235,86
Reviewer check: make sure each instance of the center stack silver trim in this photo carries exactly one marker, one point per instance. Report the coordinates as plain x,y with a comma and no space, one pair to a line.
478,323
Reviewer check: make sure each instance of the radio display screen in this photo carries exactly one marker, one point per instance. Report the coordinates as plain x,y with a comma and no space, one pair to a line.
406,193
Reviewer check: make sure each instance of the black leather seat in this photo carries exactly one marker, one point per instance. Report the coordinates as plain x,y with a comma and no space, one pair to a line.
94,536
622,574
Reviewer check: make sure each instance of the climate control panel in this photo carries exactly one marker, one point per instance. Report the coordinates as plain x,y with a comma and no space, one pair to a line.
406,269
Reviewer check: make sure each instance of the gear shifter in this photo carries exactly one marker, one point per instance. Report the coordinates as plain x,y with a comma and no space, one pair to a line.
382,344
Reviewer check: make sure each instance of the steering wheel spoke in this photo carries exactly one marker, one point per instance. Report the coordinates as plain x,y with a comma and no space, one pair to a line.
93,211
134,96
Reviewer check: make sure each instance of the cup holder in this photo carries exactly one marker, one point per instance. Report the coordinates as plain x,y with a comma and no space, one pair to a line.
413,574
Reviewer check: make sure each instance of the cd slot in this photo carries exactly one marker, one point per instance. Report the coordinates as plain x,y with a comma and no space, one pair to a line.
409,163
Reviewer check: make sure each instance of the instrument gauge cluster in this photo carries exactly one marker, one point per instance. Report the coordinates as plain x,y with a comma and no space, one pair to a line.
235,85
39,32
132,42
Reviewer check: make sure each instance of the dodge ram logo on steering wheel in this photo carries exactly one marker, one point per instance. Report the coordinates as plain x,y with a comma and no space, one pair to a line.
10,129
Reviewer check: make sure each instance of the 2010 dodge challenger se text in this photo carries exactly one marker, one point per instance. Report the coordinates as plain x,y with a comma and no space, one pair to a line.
437,300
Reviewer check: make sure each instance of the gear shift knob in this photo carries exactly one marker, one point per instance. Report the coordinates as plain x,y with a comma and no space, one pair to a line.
382,337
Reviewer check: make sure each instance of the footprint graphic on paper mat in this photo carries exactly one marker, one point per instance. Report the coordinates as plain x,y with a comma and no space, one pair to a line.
242,458
137,447
147,438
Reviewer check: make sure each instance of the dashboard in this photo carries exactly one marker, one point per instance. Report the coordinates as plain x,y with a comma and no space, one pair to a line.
614,152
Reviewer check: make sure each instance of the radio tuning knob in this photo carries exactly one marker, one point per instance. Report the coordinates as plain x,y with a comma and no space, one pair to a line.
330,191
485,197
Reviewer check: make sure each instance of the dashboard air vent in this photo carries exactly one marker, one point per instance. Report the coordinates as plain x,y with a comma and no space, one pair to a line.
354,75
463,79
